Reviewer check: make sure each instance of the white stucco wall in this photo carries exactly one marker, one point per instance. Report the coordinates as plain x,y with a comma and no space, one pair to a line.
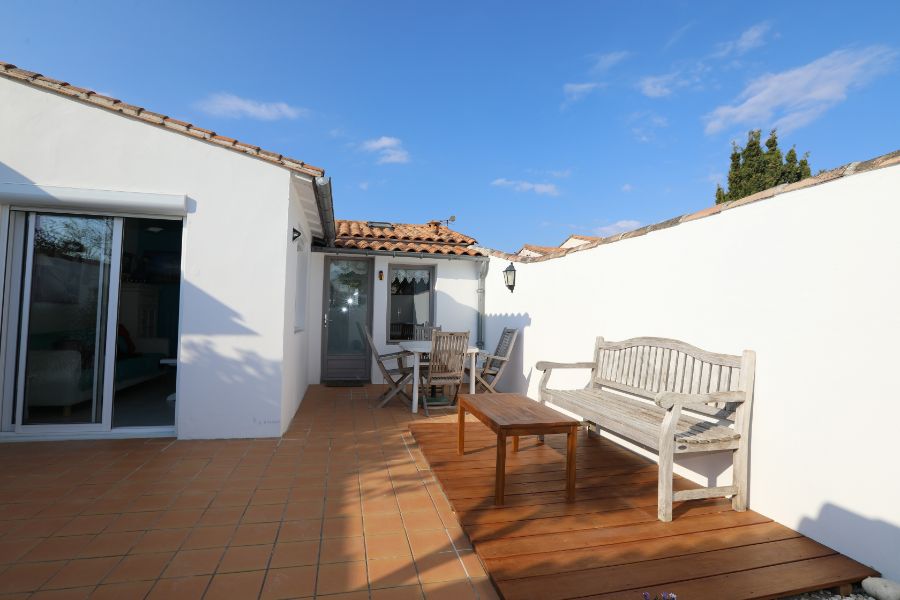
231,381
809,280
456,302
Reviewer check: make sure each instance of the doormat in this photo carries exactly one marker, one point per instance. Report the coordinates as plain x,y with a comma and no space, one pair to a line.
344,383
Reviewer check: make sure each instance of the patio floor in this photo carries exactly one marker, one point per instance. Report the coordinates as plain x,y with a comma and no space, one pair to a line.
334,509
608,543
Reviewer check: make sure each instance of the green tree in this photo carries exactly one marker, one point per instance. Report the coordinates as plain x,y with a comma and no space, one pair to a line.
754,169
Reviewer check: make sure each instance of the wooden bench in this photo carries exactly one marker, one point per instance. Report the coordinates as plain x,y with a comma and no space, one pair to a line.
670,397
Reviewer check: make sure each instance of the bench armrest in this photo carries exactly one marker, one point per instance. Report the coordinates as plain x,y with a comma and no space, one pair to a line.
491,356
547,366
668,400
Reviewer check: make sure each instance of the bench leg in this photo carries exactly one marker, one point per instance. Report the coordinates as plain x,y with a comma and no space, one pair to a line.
664,497
739,478
500,481
571,445
515,443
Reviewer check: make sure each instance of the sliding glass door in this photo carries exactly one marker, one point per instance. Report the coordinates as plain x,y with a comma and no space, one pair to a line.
90,322
65,306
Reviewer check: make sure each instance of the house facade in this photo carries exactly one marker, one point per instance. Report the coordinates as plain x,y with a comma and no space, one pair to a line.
160,279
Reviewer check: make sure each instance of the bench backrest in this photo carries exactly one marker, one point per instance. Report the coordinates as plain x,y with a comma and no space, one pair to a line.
648,365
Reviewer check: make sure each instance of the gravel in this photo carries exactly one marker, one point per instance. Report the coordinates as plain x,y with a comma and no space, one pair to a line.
857,594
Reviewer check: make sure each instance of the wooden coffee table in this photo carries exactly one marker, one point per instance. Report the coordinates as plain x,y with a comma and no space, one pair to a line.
515,415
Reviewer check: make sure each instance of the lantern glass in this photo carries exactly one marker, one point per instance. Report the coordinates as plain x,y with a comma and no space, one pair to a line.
509,277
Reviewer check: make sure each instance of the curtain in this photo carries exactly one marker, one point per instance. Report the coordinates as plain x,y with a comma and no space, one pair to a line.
422,276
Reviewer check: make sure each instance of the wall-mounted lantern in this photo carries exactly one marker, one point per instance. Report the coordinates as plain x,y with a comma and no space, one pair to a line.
295,234
509,277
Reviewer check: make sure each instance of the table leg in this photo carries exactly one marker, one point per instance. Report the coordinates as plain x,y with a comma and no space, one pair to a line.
460,429
571,444
500,481
415,391
515,443
472,372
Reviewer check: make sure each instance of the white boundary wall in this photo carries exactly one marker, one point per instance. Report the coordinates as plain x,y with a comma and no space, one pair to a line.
810,280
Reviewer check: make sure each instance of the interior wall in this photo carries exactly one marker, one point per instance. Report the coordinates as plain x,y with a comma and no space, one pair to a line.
455,302
808,280
231,346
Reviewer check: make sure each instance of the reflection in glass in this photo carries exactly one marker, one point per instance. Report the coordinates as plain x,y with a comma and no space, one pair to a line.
67,319
348,306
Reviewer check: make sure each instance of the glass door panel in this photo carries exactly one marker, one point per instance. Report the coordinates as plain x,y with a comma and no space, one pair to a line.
346,357
64,319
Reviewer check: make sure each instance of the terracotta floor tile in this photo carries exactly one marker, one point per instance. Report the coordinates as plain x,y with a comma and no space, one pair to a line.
391,572
193,562
235,586
342,527
429,542
407,592
435,568
292,582
292,531
12,550
387,545
380,504
459,538
362,595
485,589
32,528
255,533
183,588
450,590
270,496
139,567
422,520
472,564
209,537
245,558
341,577
342,549
131,590
263,513
228,515
66,594
26,577
134,521
177,519
86,524
304,509
199,500
295,554
163,540
58,548
111,544
382,523
76,573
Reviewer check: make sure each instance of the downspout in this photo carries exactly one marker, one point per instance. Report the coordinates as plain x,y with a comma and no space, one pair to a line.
482,278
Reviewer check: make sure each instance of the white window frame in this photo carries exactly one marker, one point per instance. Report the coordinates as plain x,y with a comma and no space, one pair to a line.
431,294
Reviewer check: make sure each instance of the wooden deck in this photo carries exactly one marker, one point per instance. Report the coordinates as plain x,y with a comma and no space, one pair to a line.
608,543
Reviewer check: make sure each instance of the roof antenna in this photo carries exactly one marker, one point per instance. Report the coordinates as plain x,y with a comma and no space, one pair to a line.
445,222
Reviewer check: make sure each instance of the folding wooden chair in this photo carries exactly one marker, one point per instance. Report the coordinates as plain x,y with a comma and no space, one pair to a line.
488,374
447,366
396,378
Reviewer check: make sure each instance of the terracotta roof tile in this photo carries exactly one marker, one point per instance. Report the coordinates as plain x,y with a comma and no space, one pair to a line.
429,238
63,88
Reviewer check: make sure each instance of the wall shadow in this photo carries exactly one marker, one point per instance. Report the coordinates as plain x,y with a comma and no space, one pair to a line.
517,376
873,542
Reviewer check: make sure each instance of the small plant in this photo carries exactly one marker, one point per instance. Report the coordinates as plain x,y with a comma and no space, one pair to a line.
661,596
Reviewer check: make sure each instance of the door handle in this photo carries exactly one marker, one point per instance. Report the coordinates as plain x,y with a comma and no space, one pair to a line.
325,320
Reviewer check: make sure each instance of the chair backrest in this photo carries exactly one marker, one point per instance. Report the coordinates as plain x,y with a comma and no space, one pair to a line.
367,335
504,348
647,366
423,332
448,357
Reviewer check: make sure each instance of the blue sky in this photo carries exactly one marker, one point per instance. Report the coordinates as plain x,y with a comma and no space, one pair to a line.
528,121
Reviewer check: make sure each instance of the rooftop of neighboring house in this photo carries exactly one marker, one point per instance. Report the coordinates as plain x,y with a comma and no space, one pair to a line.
433,237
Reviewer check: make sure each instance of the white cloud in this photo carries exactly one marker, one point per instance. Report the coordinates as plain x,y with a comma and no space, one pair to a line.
627,187
751,38
390,150
363,185
617,227
677,35
657,86
541,189
645,124
604,62
575,92
796,97
224,104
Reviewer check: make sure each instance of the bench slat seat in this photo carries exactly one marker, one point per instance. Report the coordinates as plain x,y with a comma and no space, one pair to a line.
670,397
639,420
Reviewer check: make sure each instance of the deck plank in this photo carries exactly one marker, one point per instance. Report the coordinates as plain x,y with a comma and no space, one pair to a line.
608,543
